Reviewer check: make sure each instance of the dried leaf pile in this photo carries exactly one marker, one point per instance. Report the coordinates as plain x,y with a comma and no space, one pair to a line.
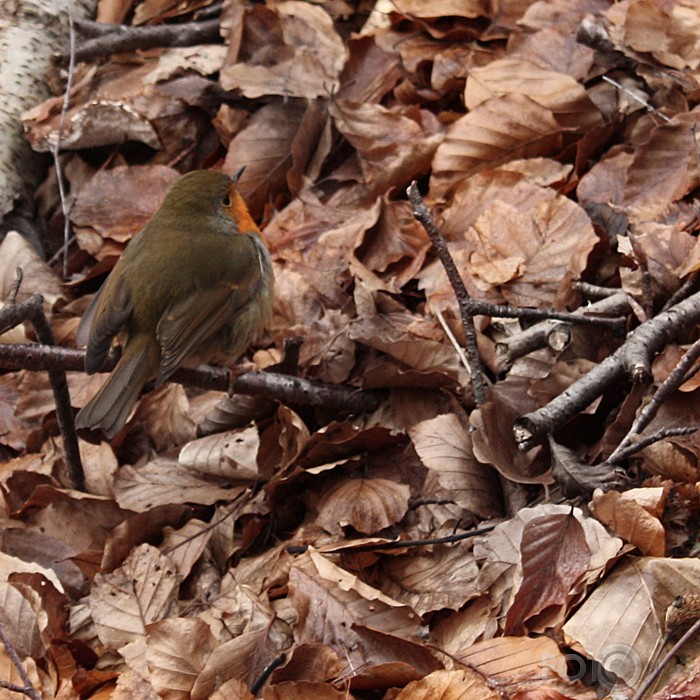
555,143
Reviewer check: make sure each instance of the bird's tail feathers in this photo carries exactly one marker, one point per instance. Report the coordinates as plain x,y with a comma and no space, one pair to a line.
110,407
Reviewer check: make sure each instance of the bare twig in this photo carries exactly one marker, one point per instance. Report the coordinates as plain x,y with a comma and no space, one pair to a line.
293,390
108,40
633,96
667,387
557,334
398,544
656,672
421,214
632,359
56,146
28,688
33,310
620,455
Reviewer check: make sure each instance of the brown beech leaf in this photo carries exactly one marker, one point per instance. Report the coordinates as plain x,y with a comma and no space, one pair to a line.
403,336
445,448
367,505
663,169
185,545
443,8
498,130
631,520
575,477
21,622
449,685
329,601
669,33
532,258
369,73
557,92
556,49
396,246
394,145
442,579
395,661
621,624
475,195
176,652
502,559
141,591
311,57
514,659
99,205
264,148
230,455
165,412
163,481
244,656
554,556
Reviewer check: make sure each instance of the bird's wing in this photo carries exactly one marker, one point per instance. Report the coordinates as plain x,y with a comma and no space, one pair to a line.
188,323
104,318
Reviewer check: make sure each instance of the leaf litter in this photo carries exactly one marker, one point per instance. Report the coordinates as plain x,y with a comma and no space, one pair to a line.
297,551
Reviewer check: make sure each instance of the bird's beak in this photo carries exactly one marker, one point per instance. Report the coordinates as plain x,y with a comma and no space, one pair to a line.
237,175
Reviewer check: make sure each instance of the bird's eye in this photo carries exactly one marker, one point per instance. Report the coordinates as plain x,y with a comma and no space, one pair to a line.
227,202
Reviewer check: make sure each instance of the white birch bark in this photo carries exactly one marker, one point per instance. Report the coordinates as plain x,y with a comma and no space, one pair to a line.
30,32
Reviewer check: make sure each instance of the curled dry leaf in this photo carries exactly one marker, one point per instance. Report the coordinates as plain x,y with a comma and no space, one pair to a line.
367,505
313,57
459,685
631,520
21,621
394,146
577,478
230,455
445,448
532,258
176,652
269,146
37,276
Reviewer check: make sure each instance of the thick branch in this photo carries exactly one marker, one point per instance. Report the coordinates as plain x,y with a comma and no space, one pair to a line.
109,39
284,388
632,359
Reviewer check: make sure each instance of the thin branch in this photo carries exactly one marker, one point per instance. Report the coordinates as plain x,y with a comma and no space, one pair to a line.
56,146
28,688
621,454
666,388
423,215
649,680
105,42
33,310
398,544
284,388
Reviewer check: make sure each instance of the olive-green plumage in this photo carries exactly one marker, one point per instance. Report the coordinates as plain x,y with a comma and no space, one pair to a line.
194,285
